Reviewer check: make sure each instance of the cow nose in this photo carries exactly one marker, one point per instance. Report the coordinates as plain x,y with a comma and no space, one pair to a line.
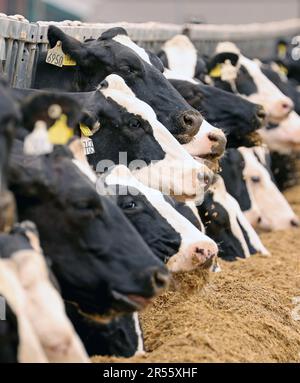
295,222
160,280
203,253
191,121
286,105
219,142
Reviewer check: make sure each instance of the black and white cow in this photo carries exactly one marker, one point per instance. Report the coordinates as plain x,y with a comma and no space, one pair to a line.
128,127
92,268
251,184
115,53
238,118
22,259
226,224
230,70
170,236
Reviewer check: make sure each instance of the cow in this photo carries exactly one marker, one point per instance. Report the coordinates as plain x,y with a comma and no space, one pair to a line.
94,270
171,237
9,121
287,54
251,184
115,53
238,118
21,254
129,127
230,70
226,224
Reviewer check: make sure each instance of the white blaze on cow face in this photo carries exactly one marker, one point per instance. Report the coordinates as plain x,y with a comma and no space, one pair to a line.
237,219
276,104
196,248
285,138
29,349
45,309
182,55
204,142
126,40
274,210
177,173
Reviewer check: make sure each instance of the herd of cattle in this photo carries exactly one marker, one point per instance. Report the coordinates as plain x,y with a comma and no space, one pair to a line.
120,167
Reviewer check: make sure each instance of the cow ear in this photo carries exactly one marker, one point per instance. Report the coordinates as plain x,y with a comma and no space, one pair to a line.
213,64
163,58
155,61
28,175
70,46
113,32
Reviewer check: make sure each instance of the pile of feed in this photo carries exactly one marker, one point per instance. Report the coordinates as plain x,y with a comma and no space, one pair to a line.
243,314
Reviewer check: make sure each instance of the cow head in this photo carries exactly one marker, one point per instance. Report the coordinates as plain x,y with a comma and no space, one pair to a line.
171,236
92,268
44,306
227,225
238,118
267,202
129,127
232,71
114,52
283,137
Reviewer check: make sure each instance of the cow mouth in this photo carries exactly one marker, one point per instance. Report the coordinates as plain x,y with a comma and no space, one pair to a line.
129,302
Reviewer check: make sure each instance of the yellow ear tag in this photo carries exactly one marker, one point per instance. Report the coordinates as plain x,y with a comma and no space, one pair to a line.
68,61
85,130
216,71
283,69
55,55
60,133
281,49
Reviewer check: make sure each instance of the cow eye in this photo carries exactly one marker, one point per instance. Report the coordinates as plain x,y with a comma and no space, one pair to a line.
129,205
127,69
135,123
255,179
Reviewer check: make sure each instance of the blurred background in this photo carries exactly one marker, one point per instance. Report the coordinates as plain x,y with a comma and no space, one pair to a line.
168,11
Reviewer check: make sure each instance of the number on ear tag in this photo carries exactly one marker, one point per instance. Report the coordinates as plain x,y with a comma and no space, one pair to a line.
88,145
216,71
86,131
60,133
55,56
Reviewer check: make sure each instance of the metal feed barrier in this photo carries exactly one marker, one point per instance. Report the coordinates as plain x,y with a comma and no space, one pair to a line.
21,41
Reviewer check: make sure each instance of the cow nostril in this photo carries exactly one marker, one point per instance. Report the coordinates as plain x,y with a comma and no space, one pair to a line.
160,280
295,222
259,220
285,105
188,120
198,250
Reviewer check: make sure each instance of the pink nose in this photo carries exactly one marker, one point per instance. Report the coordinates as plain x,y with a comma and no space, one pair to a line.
202,253
286,105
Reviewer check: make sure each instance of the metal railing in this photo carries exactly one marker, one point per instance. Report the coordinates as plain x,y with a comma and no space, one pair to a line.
21,41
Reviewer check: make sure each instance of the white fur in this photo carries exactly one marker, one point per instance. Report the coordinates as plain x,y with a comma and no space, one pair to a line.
184,260
126,40
286,137
273,208
177,172
182,55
